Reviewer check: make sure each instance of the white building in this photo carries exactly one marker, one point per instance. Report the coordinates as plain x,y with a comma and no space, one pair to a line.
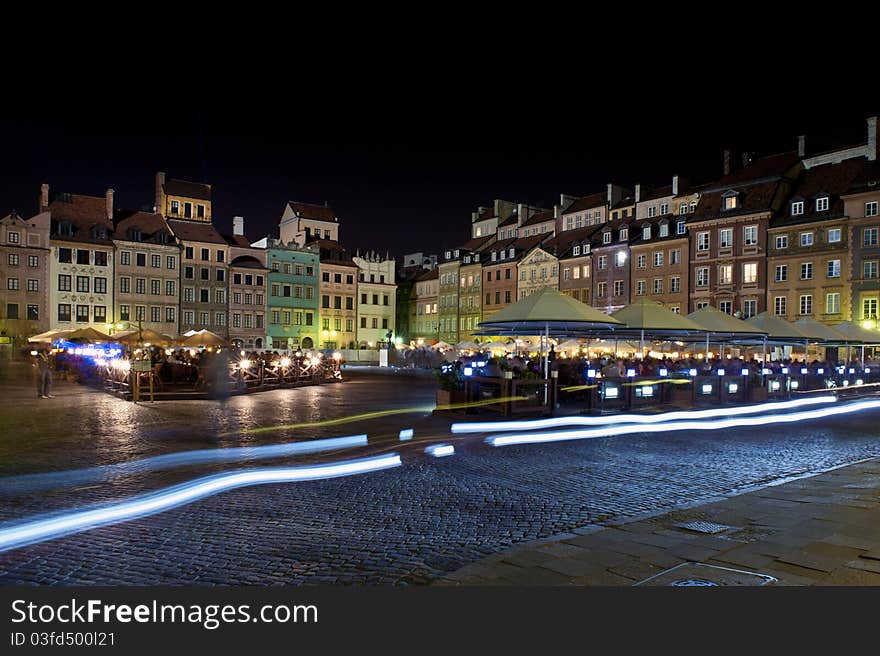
376,299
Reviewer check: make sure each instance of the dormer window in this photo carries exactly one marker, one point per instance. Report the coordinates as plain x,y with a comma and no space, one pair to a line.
467,259
683,208
797,208
730,200
624,234
576,250
456,252
162,237
501,255
652,212
664,229
646,232
135,234
495,255
606,237
510,253
175,207
822,204
679,228
448,255
65,229
693,206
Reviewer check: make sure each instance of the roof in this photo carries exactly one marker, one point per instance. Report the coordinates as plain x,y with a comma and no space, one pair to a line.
720,323
237,240
148,223
196,190
192,231
772,166
477,243
311,211
831,179
83,213
614,226
521,246
639,226
586,203
247,262
559,313
629,201
539,217
777,329
431,274
659,192
565,241
868,179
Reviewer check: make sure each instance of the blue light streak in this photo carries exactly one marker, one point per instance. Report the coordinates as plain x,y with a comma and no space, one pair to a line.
440,450
673,426
555,422
39,530
31,482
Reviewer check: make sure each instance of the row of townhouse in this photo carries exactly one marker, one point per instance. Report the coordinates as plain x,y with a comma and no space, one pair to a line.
81,262
793,234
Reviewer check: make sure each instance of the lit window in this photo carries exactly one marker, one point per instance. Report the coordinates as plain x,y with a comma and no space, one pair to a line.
797,208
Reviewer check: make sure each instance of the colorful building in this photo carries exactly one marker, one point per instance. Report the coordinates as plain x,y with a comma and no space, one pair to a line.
377,304
292,301
24,278
338,290
425,324
248,279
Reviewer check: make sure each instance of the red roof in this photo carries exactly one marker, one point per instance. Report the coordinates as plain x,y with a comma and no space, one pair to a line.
193,231
196,190
586,203
148,223
311,211
539,217
83,213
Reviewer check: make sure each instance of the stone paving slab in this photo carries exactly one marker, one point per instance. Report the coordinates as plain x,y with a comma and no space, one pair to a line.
811,531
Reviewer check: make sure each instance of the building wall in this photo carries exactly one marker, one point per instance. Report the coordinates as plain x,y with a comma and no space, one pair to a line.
377,302
129,303
666,272
499,286
448,305
338,290
24,257
865,291
426,322
292,306
195,314
99,306
248,290
582,218
537,270
470,291
608,296
575,278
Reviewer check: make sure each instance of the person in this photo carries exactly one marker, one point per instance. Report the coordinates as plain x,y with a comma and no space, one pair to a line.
44,375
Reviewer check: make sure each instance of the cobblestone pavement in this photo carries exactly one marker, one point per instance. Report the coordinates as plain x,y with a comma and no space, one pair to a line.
408,525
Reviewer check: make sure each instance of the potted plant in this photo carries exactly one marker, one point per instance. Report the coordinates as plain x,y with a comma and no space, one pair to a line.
450,387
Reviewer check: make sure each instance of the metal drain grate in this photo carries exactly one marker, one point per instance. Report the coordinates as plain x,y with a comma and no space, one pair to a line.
703,575
702,526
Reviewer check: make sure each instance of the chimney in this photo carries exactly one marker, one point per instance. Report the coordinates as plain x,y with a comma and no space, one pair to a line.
497,207
872,138
675,185
802,145
521,212
44,197
726,162
608,195
109,196
238,225
638,192
160,185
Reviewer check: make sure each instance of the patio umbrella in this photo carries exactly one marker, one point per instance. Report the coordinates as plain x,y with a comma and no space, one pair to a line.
547,312
863,335
441,345
778,331
820,332
720,324
466,346
649,318
204,338
87,335
146,336
50,335
570,345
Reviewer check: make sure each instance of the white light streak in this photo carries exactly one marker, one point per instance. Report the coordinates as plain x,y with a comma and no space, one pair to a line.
440,450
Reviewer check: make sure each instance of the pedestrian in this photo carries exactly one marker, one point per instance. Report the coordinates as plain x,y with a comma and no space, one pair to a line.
44,374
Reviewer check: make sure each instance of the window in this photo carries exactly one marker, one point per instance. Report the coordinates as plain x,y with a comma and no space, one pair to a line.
82,284
730,203
652,212
620,260
221,275
337,302
806,239
725,238
66,255
781,242
675,284
832,303
156,261
618,288
170,288
188,253
750,235
806,271
646,231
155,287
658,259
140,286
204,273
664,209
188,294
384,323
175,207
219,295
781,272
703,277
870,236
363,322
63,312
189,272
33,285
204,296
869,308
14,238
601,289
189,318
750,308
750,273
140,259
664,229
606,237
82,257
169,315
680,228
82,313
602,262
12,283
171,262
206,255
64,282
200,211
640,261
155,314
797,208
702,241
833,235
779,306
576,250
100,285
822,204
658,285
871,208
375,322
834,268
33,312
624,234
807,304
12,259
33,261
726,307
219,318
869,269
725,274
640,288
188,211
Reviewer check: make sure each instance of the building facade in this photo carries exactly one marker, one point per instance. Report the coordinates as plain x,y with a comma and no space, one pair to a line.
659,262
24,277
611,264
338,289
292,299
377,303
862,207
425,324
538,269
575,263
204,279
302,223
248,278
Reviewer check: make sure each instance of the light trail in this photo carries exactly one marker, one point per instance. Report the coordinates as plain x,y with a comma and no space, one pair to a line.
39,530
555,422
673,426
48,480
440,450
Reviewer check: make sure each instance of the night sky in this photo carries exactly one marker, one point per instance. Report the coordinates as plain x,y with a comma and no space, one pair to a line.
401,176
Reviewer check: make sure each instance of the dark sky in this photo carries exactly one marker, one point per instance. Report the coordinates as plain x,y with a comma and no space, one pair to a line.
403,175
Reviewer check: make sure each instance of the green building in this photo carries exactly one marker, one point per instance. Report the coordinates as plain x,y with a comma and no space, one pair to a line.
292,301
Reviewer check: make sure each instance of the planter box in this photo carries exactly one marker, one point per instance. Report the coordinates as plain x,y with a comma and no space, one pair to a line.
445,397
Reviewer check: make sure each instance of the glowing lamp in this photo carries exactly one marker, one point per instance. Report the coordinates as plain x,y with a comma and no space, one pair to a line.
804,371
707,389
337,356
744,372
860,382
611,392
867,370
33,352
785,370
774,385
468,371
244,364
732,388
846,383
820,371
591,373
298,353
794,384
852,371
721,372
630,373
765,371
664,372
285,362
693,372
